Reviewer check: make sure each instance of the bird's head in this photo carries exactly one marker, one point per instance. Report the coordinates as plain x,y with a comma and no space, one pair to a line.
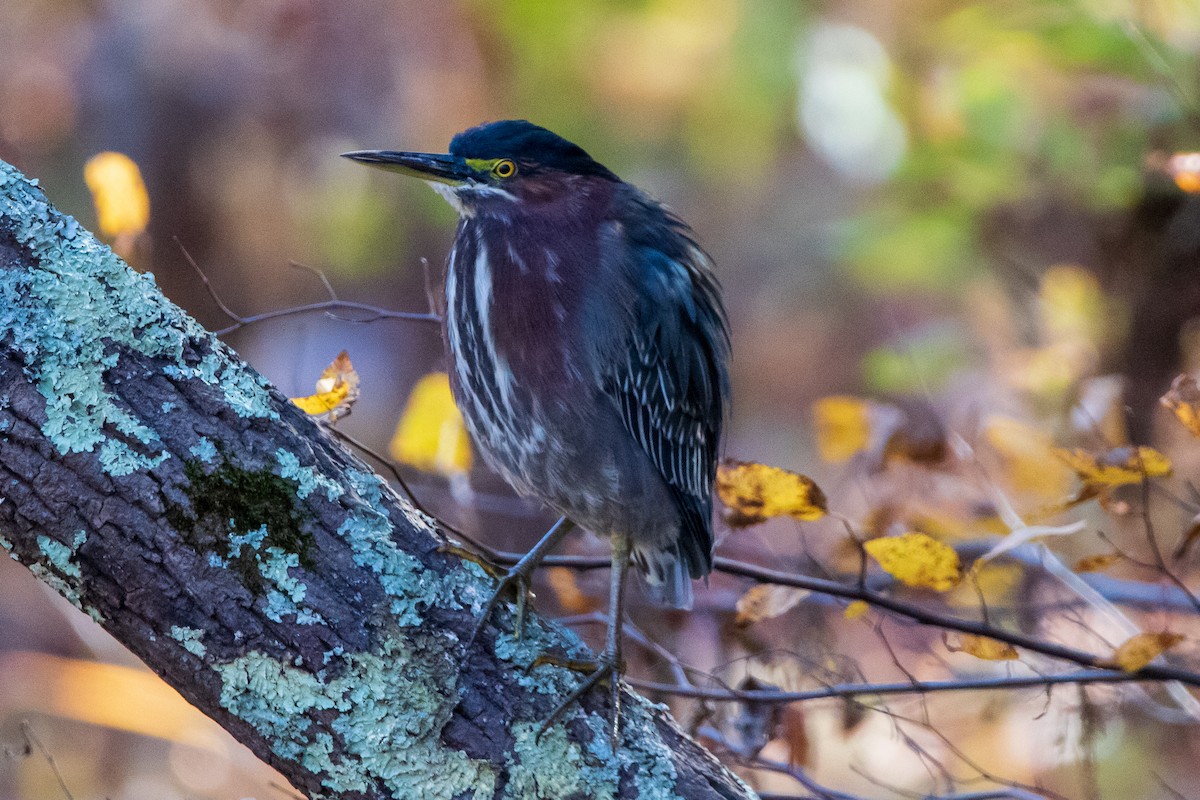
497,164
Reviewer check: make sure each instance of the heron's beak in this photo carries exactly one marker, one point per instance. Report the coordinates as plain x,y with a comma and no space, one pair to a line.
426,166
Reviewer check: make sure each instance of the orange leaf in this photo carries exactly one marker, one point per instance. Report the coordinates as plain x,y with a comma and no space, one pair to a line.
765,601
754,493
337,389
983,647
431,435
1184,169
1097,563
1117,467
1183,398
917,559
1139,650
566,589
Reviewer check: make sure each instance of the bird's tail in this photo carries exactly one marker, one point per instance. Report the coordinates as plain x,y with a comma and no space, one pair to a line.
666,575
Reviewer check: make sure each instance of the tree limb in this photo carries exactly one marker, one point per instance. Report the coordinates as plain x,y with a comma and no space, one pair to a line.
166,489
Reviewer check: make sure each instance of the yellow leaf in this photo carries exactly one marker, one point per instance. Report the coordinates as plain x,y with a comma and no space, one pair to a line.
856,609
984,647
1117,467
917,559
996,582
754,493
122,204
1073,309
1183,398
431,435
1097,563
843,427
1141,649
1027,454
337,389
765,601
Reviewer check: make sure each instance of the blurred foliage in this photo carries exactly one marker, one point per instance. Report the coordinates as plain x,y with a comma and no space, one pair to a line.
1011,104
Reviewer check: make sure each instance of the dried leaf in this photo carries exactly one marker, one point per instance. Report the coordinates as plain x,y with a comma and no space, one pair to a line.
566,590
431,435
856,609
917,433
843,427
983,647
753,493
1183,398
917,559
756,721
794,727
1117,467
1097,563
337,389
765,601
1189,538
1139,650
122,203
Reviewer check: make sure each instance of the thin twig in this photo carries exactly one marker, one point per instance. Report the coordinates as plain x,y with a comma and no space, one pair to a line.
375,313
32,741
800,776
900,687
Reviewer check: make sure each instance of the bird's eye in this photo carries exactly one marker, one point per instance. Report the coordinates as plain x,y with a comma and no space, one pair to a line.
504,169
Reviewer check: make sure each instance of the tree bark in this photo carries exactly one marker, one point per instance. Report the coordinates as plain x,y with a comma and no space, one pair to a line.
168,491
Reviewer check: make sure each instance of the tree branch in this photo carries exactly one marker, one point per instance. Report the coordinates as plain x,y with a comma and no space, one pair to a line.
166,489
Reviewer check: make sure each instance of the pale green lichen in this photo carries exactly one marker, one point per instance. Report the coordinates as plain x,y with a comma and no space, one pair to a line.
204,450
244,390
390,705
553,766
307,479
59,571
189,638
252,539
74,311
287,592
412,587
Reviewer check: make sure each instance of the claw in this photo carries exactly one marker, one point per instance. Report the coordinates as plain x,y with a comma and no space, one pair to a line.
604,670
517,579
514,583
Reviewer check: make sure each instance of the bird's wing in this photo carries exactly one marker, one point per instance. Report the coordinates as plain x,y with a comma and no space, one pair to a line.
671,381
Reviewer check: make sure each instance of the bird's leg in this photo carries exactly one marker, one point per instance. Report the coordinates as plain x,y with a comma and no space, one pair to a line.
609,664
517,578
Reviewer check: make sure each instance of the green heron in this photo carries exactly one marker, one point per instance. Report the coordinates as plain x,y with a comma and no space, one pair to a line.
589,353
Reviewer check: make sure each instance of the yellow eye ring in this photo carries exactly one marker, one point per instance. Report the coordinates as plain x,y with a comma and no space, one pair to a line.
504,169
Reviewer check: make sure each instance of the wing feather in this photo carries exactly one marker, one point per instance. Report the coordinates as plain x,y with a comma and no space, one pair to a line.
671,383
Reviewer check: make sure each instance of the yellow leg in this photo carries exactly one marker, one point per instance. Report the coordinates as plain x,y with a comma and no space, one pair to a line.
609,665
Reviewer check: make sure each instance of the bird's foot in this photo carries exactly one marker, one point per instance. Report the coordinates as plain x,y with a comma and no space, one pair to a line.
514,584
606,669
